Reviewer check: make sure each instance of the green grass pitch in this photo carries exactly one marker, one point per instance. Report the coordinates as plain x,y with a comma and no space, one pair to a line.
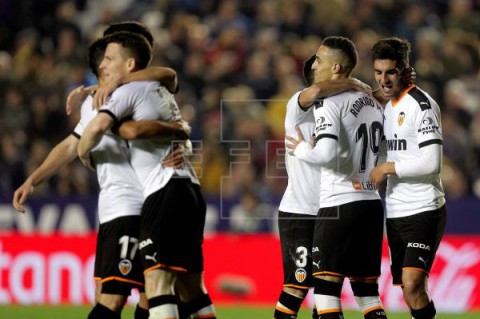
224,312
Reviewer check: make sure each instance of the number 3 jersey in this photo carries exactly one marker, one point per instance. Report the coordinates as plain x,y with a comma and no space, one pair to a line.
412,122
348,132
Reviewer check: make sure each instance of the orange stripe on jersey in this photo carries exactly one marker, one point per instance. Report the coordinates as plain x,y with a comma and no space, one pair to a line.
285,310
372,309
322,312
180,269
121,279
395,101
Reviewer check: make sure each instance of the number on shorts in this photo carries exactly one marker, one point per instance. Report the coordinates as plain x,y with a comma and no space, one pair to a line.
302,253
124,241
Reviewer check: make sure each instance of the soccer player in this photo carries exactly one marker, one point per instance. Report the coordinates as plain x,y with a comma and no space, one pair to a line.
117,267
415,201
349,226
173,214
300,202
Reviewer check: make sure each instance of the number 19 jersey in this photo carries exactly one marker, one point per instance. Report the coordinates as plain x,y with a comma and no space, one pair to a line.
355,121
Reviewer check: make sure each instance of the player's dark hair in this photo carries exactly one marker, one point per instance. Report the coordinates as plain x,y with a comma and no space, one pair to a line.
348,49
135,45
130,26
394,49
96,50
307,69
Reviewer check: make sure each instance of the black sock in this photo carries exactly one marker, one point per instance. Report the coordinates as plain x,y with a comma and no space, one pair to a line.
427,312
102,312
141,313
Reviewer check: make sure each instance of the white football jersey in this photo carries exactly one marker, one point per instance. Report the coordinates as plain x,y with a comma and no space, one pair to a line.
412,121
355,121
147,100
301,195
120,192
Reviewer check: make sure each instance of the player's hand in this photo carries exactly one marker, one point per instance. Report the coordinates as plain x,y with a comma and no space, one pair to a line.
361,87
175,159
87,161
21,195
378,174
104,91
75,99
183,129
409,75
294,142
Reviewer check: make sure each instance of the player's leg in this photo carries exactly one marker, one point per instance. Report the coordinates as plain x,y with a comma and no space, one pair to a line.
159,287
327,293
193,297
327,255
141,310
368,298
117,268
296,237
365,251
423,233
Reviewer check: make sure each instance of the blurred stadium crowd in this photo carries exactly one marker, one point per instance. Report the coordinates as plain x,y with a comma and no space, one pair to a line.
238,63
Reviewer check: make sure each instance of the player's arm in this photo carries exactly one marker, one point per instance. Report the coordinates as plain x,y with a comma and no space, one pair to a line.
152,129
324,150
60,156
77,97
94,131
328,88
166,76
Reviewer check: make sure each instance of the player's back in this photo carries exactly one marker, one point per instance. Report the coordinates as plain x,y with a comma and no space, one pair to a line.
120,190
355,120
152,101
301,195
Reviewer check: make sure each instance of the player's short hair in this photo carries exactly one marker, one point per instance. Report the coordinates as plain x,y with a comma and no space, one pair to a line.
136,46
130,26
96,50
307,70
393,48
346,46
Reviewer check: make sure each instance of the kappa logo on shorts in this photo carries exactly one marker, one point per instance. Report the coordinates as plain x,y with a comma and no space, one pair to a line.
300,275
125,266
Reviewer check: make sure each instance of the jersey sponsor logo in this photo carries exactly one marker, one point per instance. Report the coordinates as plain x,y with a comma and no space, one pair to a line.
363,186
321,125
418,245
125,266
321,120
401,118
145,243
428,126
425,104
397,144
300,275
358,105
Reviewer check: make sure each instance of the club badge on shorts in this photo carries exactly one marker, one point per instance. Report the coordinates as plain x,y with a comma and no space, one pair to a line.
125,266
300,275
